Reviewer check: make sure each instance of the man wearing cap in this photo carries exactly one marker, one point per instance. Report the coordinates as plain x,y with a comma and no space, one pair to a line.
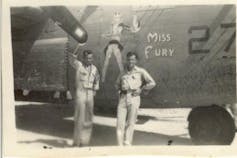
86,85
130,84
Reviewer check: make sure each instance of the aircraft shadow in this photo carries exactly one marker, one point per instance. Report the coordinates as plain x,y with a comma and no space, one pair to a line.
49,119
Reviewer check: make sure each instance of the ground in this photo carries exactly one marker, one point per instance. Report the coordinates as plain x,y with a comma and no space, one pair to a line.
45,125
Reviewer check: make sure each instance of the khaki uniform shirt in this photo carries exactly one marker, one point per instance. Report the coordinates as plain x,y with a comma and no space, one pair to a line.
136,79
86,77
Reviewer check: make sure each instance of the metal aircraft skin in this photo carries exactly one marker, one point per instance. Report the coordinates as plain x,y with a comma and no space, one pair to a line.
188,50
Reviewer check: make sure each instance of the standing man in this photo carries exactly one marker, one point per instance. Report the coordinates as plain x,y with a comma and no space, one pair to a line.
129,85
86,85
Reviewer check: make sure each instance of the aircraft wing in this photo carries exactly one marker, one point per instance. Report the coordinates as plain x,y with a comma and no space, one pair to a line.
29,26
26,24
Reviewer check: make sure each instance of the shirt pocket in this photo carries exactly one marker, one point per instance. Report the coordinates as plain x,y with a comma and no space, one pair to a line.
83,75
124,83
135,81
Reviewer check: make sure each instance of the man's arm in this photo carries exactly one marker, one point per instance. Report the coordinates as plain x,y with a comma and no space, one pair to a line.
97,81
149,81
73,61
118,83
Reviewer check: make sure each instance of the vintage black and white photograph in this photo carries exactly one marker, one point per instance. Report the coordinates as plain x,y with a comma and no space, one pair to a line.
124,75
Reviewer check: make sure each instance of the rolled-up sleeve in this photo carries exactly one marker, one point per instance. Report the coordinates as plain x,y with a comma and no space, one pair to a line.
149,81
73,61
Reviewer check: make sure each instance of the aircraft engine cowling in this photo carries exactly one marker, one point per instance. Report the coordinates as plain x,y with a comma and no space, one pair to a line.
62,16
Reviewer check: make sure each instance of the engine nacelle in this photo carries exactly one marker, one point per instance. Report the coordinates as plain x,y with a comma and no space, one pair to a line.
62,16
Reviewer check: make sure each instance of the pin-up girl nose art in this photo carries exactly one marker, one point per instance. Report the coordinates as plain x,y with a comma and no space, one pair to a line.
114,46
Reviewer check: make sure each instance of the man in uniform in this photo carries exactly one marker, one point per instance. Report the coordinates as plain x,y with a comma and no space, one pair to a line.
86,85
129,84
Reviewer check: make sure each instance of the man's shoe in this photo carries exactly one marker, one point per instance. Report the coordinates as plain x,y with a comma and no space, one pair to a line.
127,143
76,145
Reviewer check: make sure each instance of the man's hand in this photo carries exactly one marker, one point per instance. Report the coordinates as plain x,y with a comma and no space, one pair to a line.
136,92
146,92
72,55
94,93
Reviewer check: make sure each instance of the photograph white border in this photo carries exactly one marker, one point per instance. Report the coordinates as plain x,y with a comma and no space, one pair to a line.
12,149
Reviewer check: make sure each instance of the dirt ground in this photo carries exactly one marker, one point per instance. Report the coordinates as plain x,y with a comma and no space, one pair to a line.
45,125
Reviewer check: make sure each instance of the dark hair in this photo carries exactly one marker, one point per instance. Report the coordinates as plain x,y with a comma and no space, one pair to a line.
87,52
129,54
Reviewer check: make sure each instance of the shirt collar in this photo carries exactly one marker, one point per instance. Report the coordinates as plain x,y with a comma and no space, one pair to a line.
135,69
86,66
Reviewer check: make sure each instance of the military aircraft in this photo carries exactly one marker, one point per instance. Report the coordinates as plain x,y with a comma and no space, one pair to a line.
188,50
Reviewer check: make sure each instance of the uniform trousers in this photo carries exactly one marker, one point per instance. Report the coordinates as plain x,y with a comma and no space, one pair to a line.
83,117
126,118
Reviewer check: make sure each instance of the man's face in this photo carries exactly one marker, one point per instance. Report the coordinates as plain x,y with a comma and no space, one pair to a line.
88,59
131,61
